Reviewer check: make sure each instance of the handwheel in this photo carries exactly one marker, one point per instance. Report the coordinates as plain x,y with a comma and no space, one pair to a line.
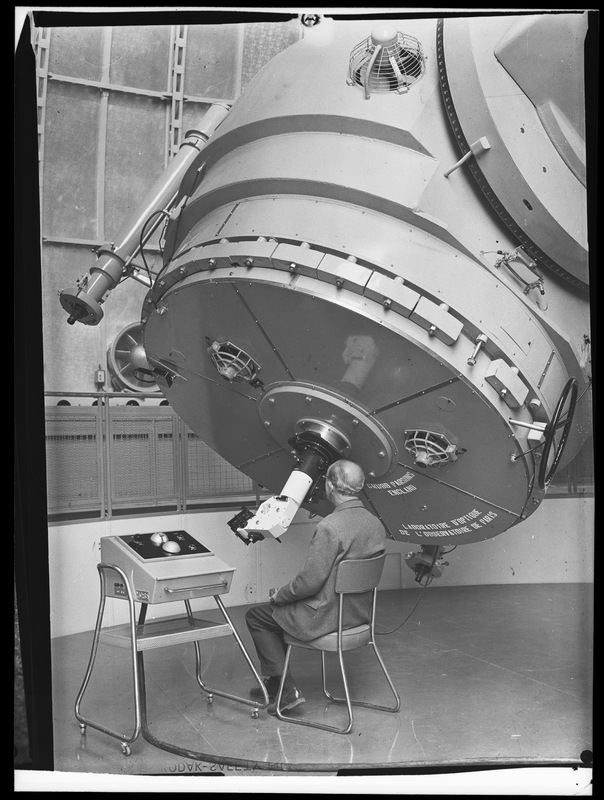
546,474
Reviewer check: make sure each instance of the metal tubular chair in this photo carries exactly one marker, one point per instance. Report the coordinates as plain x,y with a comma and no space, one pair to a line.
353,577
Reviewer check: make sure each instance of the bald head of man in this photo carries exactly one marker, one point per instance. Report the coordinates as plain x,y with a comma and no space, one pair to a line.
343,480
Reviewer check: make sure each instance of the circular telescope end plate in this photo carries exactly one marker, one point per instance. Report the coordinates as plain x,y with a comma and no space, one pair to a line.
288,407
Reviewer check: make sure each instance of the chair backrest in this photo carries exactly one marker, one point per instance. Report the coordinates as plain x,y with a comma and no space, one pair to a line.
357,575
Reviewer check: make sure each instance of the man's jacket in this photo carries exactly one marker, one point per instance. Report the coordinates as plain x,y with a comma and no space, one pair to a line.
308,606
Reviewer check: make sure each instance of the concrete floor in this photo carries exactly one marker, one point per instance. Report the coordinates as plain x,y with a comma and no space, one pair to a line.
488,676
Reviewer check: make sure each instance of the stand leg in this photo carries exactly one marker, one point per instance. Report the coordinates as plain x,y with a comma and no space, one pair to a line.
124,738
210,692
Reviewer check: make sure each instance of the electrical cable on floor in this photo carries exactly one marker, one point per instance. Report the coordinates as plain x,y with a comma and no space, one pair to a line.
417,602
386,633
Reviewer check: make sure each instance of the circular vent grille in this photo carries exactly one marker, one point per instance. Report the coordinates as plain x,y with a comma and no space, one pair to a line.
233,363
430,449
386,62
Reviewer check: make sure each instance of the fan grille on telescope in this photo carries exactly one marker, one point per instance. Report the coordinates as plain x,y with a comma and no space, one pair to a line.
435,446
396,67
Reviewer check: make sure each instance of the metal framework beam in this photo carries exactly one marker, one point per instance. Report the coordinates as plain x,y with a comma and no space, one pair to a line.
115,87
41,47
177,83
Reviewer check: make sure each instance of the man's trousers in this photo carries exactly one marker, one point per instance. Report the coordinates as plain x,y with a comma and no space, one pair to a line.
268,639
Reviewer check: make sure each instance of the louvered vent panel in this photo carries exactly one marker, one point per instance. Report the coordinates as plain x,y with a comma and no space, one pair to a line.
209,475
72,465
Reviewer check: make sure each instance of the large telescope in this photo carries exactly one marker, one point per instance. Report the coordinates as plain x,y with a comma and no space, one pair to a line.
380,253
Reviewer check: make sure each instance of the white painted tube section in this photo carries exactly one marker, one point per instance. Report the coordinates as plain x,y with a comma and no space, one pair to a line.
297,486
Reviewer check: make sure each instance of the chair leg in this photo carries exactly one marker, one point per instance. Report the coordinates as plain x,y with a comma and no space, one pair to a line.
324,676
397,698
305,722
345,699
346,691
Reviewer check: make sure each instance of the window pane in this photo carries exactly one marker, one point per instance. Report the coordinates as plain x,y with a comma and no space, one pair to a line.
211,61
262,41
140,57
76,52
70,155
136,128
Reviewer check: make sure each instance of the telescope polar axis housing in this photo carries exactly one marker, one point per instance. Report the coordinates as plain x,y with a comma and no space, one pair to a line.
328,282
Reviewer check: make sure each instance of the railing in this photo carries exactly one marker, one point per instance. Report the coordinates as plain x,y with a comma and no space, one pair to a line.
577,477
106,458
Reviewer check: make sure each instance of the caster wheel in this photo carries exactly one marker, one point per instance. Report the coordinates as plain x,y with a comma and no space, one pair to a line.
82,729
210,699
255,713
126,749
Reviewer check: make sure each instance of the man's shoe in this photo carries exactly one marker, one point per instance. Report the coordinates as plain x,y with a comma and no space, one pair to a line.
272,687
289,700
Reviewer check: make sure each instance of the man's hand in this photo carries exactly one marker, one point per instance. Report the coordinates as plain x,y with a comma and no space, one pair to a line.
271,594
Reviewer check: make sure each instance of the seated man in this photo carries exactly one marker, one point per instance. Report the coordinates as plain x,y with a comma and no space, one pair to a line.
308,606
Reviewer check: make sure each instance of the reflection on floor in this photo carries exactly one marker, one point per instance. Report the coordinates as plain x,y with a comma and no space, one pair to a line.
488,675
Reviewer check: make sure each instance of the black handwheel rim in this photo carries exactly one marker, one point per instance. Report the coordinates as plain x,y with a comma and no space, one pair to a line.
546,475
